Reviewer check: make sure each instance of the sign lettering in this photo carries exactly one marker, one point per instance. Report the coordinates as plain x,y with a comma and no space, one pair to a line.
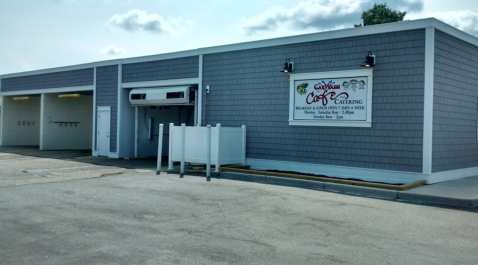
331,99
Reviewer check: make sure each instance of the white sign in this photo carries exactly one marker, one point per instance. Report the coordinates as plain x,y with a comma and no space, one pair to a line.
331,99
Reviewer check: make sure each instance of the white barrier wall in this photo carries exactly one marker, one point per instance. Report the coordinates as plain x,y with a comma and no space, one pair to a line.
67,123
227,145
21,121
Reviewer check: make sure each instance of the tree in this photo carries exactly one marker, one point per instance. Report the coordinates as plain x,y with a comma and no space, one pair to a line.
380,14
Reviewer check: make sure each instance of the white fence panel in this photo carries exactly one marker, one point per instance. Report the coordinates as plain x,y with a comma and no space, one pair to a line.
231,147
195,144
227,145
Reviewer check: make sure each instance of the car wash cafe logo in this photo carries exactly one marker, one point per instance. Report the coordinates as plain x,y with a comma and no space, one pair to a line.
327,99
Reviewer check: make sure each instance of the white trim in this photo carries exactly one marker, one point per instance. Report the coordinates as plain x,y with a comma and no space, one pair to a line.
103,108
450,30
199,99
196,104
42,110
327,35
93,140
332,74
48,90
377,175
453,174
164,56
62,69
334,34
136,131
118,108
170,82
113,155
428,100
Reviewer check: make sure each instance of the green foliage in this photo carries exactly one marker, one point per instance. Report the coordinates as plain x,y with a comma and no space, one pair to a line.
380,14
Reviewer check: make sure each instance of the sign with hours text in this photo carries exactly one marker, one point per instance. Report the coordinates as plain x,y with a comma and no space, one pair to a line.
331,99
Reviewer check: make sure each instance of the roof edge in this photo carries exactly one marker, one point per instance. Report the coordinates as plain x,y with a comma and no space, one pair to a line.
326,35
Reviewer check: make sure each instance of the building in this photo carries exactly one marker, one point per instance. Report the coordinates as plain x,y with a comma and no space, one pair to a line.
412,116
0,120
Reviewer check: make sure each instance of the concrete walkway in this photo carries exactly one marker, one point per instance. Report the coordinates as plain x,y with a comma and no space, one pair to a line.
459,193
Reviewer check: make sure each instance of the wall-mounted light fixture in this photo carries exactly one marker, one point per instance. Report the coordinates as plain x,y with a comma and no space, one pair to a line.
369,60
288,66
21,98
69,96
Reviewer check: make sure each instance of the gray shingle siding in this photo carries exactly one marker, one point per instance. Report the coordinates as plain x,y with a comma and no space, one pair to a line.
186,67
83,77
107,95
247,88
455,106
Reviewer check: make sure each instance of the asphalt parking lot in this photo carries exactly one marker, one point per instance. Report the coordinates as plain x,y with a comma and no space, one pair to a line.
67,210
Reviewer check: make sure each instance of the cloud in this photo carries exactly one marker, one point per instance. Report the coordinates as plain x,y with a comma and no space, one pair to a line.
465,20
112,50
406,5
139,20
319,14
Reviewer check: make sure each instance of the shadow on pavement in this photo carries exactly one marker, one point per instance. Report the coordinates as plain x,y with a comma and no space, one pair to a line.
82,156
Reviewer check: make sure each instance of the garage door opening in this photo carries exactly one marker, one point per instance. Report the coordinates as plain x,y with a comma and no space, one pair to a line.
148,120
67,121
156,106
21,120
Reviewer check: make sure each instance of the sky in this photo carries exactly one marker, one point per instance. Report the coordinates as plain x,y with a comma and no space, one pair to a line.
39,34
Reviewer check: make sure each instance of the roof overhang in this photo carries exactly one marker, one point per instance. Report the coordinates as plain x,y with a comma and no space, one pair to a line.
326,35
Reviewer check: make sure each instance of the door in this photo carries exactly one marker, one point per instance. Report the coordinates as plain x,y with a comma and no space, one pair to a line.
103,131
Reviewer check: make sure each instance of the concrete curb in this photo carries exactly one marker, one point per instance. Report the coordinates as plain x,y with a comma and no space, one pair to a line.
423,198
362,191
348,182
243,177
299,183
352,190
313,185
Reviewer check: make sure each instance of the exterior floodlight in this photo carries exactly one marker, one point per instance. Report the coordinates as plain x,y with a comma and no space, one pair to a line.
69,96
369,60
288,66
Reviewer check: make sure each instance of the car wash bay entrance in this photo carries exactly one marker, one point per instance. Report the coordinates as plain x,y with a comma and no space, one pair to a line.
162,105
53,121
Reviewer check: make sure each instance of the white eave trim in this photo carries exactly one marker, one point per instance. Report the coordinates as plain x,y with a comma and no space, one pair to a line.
327,35
48,90
63,68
